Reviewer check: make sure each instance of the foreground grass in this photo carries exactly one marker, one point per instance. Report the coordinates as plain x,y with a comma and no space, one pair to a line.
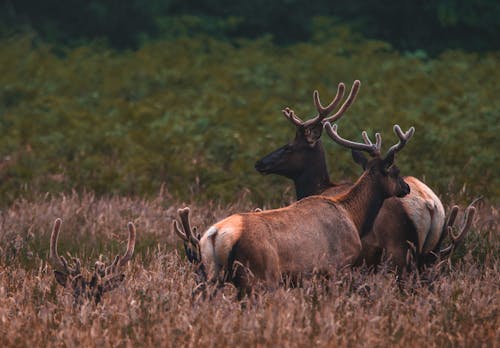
155,307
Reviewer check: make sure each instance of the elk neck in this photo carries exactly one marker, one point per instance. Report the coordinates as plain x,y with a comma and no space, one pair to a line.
363,202
314,179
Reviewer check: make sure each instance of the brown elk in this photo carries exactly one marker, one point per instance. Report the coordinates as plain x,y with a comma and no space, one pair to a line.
314,234
303,159
417,219
104,278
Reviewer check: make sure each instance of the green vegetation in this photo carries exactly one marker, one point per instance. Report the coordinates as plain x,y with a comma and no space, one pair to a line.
194,114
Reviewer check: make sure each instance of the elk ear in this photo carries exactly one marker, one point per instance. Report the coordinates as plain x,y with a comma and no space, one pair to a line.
359,158
60,277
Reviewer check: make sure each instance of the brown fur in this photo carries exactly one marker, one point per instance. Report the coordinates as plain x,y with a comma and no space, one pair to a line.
315,234
417,218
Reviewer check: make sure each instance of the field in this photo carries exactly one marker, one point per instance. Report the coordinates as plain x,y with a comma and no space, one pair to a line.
455,304
99,137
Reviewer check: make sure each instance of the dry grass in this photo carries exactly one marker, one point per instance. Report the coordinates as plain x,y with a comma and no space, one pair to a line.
154,307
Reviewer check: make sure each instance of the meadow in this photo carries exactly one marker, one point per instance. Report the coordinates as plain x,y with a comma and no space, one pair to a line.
99,137
455,304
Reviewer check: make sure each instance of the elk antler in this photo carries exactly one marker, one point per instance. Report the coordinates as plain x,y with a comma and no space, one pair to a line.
124,259
368,146
347,104
190,238
61,268
105,278
323,112
403,139
456,240
188,235
54,259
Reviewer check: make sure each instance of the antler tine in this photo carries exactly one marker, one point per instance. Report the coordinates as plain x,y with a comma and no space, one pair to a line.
452,217
372,149
324,111
403,139
178,232
466,225
130,245
54,258
347,104
290,115
468,218
184,216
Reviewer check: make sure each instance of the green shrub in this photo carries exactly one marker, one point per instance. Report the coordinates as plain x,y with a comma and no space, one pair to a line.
195,113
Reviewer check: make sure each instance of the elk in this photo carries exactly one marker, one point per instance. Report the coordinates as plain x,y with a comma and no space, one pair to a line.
417,219
303,159
315,234
104,278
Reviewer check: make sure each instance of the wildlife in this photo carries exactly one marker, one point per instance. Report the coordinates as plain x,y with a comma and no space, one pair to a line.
315,234
303,159
414,223
90,286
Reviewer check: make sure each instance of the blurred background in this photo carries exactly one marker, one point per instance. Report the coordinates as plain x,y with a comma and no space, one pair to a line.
137,97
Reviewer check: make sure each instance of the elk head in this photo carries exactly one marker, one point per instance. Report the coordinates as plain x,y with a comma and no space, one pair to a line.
303,159
91,285
293,158
382,169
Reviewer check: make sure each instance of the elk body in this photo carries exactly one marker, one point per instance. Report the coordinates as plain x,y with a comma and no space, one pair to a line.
417,218
104,278
314,234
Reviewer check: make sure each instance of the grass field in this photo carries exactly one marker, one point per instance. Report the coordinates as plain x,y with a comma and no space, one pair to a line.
454,305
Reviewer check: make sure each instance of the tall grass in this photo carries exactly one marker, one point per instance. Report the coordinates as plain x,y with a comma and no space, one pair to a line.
454,305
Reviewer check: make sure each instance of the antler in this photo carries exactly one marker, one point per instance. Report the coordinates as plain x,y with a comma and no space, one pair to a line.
119,261
323,112
457,239
59,263
54,258
403,139
130,245
347,104
188,234
368,146
190,238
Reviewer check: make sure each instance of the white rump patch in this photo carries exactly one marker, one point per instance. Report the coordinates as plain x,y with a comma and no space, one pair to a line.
207,249
427,213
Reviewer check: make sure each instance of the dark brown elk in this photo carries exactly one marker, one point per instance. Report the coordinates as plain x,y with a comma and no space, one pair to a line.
315,234
303,159
92,285
416,219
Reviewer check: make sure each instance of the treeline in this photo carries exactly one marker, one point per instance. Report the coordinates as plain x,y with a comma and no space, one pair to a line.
431,25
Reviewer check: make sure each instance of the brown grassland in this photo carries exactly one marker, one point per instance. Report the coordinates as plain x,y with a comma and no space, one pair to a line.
455,304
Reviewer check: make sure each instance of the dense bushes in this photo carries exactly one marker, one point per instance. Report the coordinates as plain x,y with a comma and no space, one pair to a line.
194,114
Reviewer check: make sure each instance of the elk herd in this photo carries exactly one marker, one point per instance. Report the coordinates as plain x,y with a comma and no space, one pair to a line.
330,226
